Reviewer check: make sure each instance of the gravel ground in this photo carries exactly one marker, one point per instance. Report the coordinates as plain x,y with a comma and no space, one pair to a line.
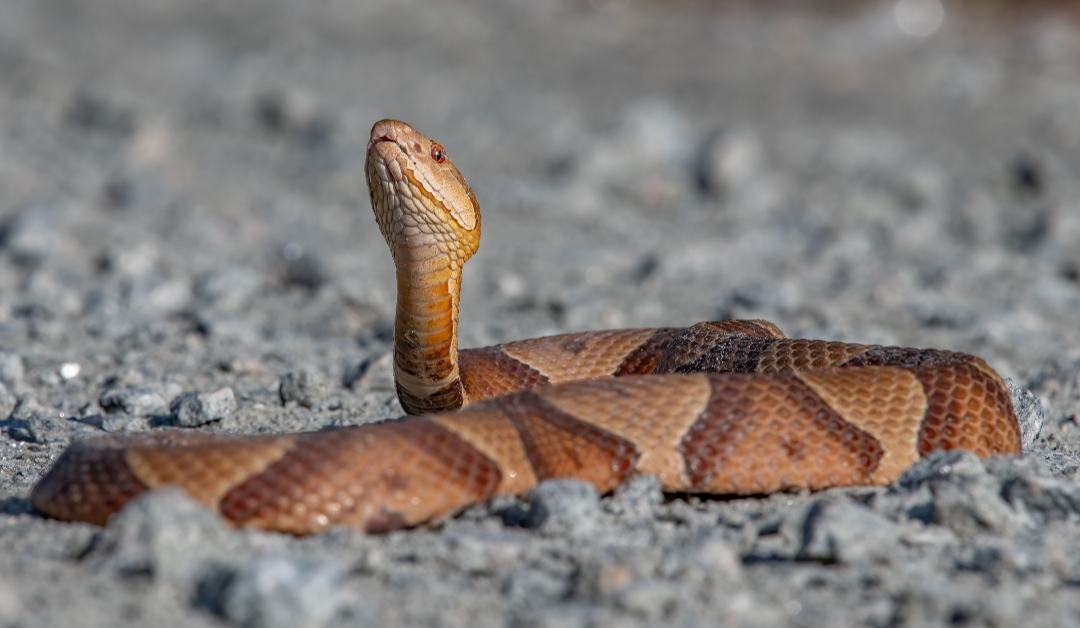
186,243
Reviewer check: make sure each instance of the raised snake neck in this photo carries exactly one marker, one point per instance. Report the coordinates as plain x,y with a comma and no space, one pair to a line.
431,221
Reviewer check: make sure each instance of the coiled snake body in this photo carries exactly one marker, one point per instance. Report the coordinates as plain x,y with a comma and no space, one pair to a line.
728,407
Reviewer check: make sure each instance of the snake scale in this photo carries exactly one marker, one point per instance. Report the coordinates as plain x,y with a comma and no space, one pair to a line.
729,407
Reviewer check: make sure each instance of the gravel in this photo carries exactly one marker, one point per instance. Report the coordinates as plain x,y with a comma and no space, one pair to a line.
187,244
195,409
564,508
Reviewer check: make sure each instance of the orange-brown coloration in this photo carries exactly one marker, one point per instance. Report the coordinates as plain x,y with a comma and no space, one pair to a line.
652,413
209,469
751,327
798,355
969,410
887,403
88,483
495,436
643,359
768,433
489,372
431,221
562,446
376,478
571,357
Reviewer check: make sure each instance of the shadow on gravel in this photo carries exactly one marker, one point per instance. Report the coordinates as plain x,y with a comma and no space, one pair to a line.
15,506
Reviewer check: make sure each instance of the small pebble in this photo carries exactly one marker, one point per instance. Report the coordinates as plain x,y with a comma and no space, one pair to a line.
124,423
70,370
140,400
279,592
195,409
306,387
564,508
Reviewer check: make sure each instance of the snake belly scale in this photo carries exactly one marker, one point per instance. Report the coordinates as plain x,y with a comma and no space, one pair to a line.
729,407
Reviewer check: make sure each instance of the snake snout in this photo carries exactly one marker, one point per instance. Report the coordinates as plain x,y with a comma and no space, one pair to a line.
388,131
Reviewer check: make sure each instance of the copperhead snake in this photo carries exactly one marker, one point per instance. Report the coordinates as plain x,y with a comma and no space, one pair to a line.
731,407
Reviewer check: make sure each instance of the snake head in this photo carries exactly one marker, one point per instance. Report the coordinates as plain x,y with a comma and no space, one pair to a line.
416,191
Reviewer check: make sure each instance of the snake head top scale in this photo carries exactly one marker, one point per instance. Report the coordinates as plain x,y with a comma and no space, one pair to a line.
430,218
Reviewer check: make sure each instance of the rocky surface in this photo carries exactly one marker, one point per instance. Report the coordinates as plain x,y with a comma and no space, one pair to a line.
186,243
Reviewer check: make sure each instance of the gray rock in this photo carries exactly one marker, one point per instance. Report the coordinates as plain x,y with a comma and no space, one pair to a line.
279,592
966,498
606,569
716,557
914,504
509,508
27,408
569,615
140,400
1029,411
538,581
306,387
486,553
636,499
651,599
124,423
195,409
162,534
1043,498
43,428
847,532
973,509
35,424
564,508
376,373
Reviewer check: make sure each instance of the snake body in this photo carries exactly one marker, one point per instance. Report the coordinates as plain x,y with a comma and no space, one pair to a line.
730,407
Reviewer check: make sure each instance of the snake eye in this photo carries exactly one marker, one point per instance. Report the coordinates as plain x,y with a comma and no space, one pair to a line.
437,152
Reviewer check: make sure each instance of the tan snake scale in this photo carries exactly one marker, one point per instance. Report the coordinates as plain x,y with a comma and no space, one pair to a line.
730,407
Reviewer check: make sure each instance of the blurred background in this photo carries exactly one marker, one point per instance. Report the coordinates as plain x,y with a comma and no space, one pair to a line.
186,177
183,210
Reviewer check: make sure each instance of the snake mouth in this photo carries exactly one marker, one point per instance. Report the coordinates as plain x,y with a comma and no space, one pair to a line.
390,132
382,139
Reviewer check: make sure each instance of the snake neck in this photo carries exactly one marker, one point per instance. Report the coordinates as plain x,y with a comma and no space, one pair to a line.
425,328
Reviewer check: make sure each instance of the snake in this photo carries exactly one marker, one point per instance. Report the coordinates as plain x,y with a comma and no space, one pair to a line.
718,408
